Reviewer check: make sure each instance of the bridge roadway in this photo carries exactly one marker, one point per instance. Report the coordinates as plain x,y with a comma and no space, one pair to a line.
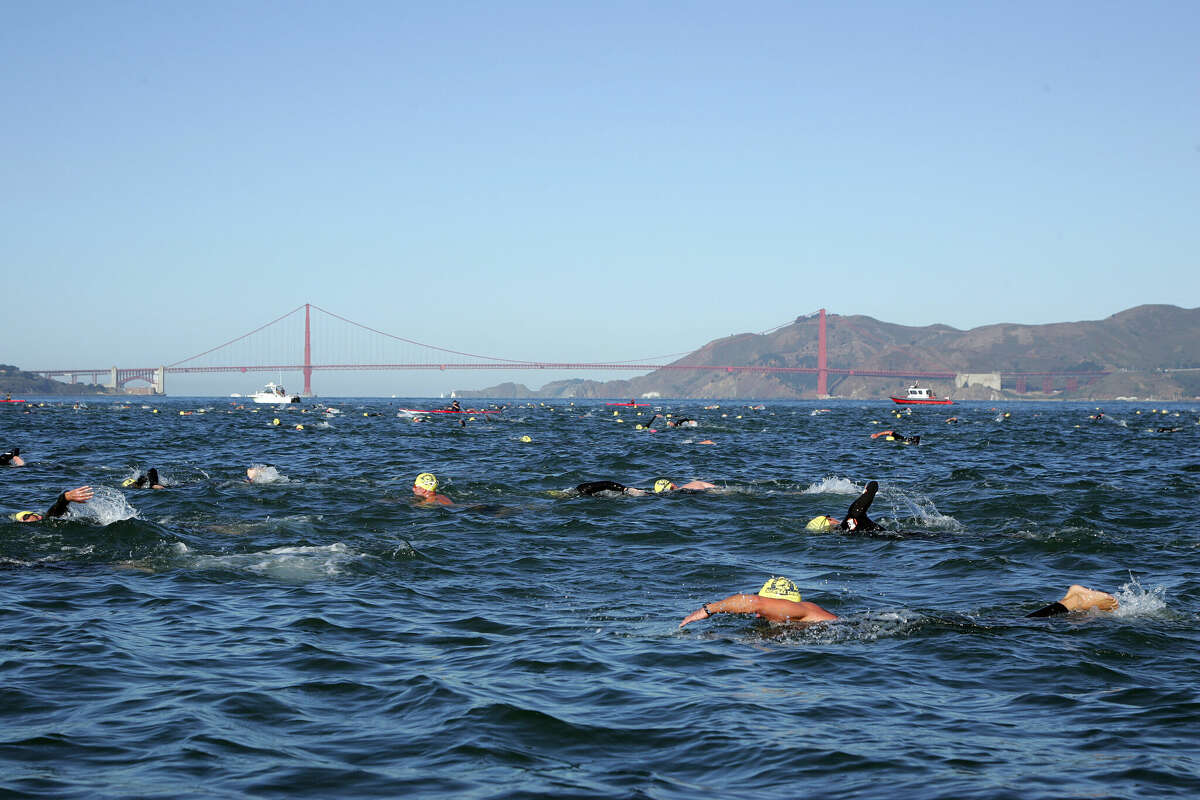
156,375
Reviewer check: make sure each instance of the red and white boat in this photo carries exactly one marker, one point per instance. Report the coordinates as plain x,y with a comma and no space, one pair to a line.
922,396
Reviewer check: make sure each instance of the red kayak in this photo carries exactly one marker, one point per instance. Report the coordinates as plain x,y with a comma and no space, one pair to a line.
628,405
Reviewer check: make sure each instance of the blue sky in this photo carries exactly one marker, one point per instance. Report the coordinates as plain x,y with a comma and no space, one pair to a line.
583,181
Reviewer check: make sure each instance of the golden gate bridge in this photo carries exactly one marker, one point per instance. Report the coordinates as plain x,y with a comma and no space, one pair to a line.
275,347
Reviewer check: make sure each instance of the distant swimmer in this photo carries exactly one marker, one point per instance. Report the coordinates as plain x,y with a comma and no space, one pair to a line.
455,407
778,601
147,480
856,516
892,436
263,473
682,422
80,495
1078,598
661,485
12,458
425,487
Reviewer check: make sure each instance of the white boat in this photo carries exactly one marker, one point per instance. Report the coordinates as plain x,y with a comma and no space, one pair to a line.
274,394
922,396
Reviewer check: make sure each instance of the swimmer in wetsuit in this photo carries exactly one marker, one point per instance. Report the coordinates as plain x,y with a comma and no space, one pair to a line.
12,458
80,495
892,436
592,488
148,480
660,486
856,518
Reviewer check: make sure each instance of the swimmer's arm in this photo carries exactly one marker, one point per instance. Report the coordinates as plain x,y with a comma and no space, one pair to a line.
770,608
80,495
698,485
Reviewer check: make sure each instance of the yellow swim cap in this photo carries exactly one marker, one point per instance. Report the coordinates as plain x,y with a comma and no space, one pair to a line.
662,485
128,482
21,516
781,589
820,523
426,481
526,438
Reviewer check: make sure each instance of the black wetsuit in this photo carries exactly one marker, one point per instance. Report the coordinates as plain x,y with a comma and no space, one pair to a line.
594,487
1055,609
150,479
60,506
858,511
6,458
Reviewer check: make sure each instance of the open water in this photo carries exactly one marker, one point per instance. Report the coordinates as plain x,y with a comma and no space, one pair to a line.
319,635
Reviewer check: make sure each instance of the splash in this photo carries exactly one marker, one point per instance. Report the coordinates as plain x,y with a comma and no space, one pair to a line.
106,507
863,627
834,485
1133,600
920,508
265,473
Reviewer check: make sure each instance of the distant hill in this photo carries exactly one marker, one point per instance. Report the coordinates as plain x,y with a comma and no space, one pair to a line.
15,381
1141,348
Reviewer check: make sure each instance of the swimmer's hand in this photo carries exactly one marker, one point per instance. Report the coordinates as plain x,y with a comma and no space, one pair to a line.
695,616
80,495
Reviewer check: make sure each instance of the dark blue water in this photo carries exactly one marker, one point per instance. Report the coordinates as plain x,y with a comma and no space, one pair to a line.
321,636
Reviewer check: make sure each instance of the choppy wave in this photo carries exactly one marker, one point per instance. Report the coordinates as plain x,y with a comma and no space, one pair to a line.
318,633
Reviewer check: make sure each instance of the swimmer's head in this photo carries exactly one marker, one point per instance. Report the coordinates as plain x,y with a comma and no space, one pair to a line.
663,485
821,523
26,516
780,589
426,482
129,482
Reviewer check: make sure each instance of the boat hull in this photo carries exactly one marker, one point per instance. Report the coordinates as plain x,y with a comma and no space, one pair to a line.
904,401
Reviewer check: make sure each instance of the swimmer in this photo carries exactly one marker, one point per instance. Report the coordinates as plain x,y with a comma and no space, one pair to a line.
1078,598
664,485
856,516
148,481
778,601
12,458
661,485
425,487
455,407
595,487
258,472
892,436
80,495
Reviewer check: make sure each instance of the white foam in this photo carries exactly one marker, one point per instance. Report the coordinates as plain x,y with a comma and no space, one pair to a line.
834,485
1133,600
290,564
